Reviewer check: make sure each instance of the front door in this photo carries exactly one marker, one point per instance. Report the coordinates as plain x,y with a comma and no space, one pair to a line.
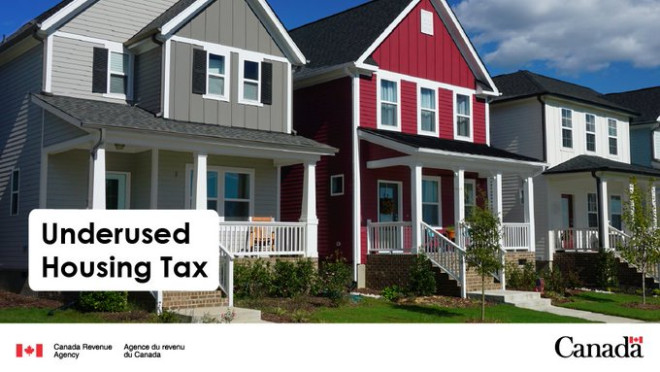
567,236
117,186
389,201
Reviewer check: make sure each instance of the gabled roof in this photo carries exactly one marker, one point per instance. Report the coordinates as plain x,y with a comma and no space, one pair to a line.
98,114
434,143
645,101
588,164
160,21
525,84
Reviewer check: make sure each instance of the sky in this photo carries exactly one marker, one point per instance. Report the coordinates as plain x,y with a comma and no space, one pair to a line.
608,45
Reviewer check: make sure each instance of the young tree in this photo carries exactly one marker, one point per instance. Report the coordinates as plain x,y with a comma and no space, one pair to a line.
483,248
643,247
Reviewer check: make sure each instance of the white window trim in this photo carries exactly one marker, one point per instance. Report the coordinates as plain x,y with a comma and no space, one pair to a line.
241,79
439,203
616,137
343,185
656,148
588,132
400,201
561,136
421,131
221,187
128,185
456,115
590,212
12,192
114,48
387,77
473,182
222,52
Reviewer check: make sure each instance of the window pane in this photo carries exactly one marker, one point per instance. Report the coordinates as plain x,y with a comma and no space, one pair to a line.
567,138
612,128
591,123
428,99
217,65
14,204
337,185
237,186
14,181
463,103
212,185
388,91
119,63
429,191
216,86
251,91
389,115
428,121
237,211
251,70
470,194
614,148
117,84
591,142
567,118
464,127
431,214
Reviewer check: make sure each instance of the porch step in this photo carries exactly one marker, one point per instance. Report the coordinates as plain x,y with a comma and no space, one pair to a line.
629,274
446,285
214,315
517,298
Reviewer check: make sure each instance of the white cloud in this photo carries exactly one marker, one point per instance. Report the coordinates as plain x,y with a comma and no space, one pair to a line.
571,36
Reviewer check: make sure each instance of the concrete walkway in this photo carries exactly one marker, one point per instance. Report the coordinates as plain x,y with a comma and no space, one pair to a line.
533,301
214,315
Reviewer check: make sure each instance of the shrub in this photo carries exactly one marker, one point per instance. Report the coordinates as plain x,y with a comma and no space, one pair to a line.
556,281
335,279
521,279
606,270
294,279
103,302
393,293
422,279
253,280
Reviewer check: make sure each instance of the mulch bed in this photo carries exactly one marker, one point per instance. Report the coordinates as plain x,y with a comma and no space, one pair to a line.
10,300
284,310
128,317
637,305
441,301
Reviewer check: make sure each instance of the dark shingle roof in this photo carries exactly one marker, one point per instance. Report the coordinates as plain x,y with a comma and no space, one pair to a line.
587,163
113,115
645,101
434,143
524,84
345,36
31,26
162,20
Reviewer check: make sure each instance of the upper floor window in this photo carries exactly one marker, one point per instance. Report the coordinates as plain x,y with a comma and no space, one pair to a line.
613,136
111,73
591,132
251,81
119,73
13,196
463,117
389,104
428,111
567,128
211,74
217,76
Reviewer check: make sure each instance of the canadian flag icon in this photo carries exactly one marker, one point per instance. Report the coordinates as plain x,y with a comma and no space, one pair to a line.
636,340
29,351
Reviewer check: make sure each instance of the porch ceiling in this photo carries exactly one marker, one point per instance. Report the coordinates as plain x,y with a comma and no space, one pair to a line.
88,114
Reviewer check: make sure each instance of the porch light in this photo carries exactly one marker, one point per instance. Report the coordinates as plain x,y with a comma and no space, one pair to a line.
119,146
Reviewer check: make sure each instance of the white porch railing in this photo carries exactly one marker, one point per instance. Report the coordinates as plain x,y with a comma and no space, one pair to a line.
389,237
579,240
515,236
445,254
617,238
227,274
255,239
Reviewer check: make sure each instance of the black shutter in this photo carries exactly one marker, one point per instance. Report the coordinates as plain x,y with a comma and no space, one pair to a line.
199,71
267,83
100,73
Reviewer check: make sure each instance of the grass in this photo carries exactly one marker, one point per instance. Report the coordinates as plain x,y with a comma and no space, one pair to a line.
615,304
380,311
40,316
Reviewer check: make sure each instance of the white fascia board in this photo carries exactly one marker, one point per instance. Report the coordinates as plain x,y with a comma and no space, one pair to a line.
184,16
60,114
387,32
486,160
279,32
63,15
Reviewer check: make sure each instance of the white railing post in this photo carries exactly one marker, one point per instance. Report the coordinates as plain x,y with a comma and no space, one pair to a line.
463,277
416,203
459,204
309,216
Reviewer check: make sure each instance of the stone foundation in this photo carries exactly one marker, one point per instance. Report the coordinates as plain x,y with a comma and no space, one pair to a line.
521,258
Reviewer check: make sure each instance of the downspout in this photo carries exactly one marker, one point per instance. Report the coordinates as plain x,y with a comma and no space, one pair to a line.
601,226
543,129
98,145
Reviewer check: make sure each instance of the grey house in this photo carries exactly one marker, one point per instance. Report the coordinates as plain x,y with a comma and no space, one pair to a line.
159,104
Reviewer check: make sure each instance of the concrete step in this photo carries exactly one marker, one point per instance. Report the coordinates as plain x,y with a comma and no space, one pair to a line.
214,315
510,297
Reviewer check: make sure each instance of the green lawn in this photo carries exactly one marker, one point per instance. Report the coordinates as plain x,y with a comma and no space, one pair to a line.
40,316
381,311
615,304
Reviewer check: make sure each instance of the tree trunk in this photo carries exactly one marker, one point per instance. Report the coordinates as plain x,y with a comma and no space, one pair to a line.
483,298
643,287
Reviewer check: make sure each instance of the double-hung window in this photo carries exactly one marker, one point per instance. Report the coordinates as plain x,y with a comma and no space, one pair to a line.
250,82
615,212
613,136
111,72
428,115
229,192
567,128
13,196
591,132
431,210
463,117
119,65
592,210
217,76
389,104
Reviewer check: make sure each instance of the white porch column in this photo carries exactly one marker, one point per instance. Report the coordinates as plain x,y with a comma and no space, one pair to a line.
200,192
154,179
308,215
498,210
97,178
416,205
529,212
604,214
459,203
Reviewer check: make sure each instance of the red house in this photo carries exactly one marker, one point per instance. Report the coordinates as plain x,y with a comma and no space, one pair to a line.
397,86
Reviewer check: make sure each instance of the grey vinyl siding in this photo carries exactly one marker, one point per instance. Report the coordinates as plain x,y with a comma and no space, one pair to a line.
193,107
641,146
68,180
116,20
517,127
20,147
233,23
57,130
172,180
72,69
148,69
